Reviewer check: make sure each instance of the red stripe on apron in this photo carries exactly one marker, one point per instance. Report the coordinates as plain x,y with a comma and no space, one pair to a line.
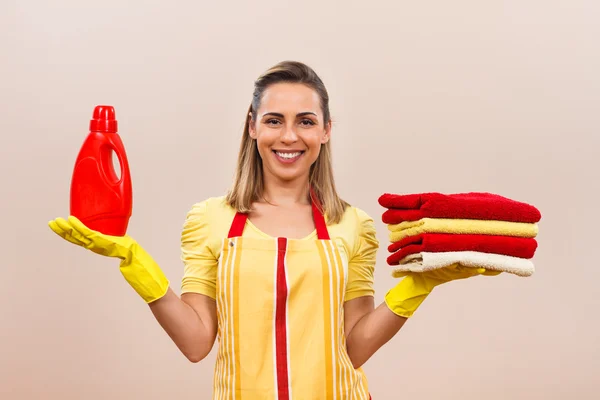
281,323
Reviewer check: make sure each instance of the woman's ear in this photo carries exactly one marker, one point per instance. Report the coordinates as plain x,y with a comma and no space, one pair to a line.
327,133
251,128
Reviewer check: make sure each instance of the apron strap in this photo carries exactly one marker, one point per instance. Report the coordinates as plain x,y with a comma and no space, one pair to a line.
238,224
320,225
239,221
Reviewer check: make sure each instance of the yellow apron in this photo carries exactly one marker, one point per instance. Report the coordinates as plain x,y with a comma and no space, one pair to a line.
280,306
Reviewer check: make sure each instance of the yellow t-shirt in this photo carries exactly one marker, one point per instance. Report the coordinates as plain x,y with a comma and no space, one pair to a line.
207,223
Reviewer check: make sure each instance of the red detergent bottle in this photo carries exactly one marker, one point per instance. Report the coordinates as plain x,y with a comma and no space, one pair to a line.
100,198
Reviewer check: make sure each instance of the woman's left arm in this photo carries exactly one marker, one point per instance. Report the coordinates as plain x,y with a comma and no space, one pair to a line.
368,328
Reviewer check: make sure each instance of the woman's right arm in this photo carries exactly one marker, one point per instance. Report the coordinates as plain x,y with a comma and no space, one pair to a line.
190,321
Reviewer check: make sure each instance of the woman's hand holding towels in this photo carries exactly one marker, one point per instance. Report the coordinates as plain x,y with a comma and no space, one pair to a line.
404,298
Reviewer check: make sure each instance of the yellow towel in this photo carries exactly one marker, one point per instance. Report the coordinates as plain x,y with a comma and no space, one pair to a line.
461,226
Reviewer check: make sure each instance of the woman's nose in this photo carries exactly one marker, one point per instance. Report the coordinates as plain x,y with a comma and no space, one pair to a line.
288,134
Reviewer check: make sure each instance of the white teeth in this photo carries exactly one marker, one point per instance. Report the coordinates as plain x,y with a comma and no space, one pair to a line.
288,155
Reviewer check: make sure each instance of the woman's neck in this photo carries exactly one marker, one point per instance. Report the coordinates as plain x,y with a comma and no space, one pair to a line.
286,193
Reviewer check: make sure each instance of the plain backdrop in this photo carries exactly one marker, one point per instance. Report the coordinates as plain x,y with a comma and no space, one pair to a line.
499,96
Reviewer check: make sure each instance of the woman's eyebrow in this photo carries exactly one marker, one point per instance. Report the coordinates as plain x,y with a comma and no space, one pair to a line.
302,114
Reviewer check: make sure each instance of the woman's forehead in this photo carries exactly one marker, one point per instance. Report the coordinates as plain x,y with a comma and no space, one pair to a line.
289,98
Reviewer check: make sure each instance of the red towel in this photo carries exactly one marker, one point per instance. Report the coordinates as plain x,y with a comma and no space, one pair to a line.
472,205
441,242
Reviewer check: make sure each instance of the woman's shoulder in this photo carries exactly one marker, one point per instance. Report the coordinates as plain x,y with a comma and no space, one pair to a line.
355,218
213,214
212,205
356,229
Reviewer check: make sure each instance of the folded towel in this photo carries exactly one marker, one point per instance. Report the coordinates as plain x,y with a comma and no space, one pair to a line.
427,261
472,205
462,226
444,242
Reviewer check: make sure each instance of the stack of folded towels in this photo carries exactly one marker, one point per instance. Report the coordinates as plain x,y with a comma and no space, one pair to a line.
477,229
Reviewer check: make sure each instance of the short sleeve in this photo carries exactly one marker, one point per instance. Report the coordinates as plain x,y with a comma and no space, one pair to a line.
200,263
362,259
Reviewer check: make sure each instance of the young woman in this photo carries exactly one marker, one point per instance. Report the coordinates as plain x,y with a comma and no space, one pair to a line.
281,268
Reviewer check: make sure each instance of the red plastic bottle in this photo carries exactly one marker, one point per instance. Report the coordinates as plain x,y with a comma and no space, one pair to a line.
101,199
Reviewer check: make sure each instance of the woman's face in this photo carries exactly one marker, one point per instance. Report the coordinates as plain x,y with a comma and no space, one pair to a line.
289,130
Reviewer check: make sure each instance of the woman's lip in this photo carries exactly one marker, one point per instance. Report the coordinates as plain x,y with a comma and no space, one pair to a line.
288,151
288,160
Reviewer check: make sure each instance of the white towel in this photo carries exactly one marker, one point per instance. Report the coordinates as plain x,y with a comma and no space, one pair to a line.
426,261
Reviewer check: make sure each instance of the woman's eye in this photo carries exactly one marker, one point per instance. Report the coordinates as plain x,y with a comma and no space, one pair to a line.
272,122
307,122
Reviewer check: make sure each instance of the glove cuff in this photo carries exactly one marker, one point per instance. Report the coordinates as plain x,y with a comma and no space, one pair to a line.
406,297
144,275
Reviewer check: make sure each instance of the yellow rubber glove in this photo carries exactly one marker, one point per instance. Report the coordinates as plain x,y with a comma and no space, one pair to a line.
137,266
413,289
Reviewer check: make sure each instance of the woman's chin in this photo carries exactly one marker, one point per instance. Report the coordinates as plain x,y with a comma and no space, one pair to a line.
297,171
289,175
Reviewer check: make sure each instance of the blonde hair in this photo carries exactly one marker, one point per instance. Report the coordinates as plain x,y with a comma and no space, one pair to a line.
248,182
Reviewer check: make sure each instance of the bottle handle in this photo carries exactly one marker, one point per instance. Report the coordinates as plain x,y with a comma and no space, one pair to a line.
108,168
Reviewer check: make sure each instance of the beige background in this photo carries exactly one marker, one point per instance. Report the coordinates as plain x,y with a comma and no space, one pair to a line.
498,96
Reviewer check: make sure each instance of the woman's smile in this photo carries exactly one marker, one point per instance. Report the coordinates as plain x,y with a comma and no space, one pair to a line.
288,156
